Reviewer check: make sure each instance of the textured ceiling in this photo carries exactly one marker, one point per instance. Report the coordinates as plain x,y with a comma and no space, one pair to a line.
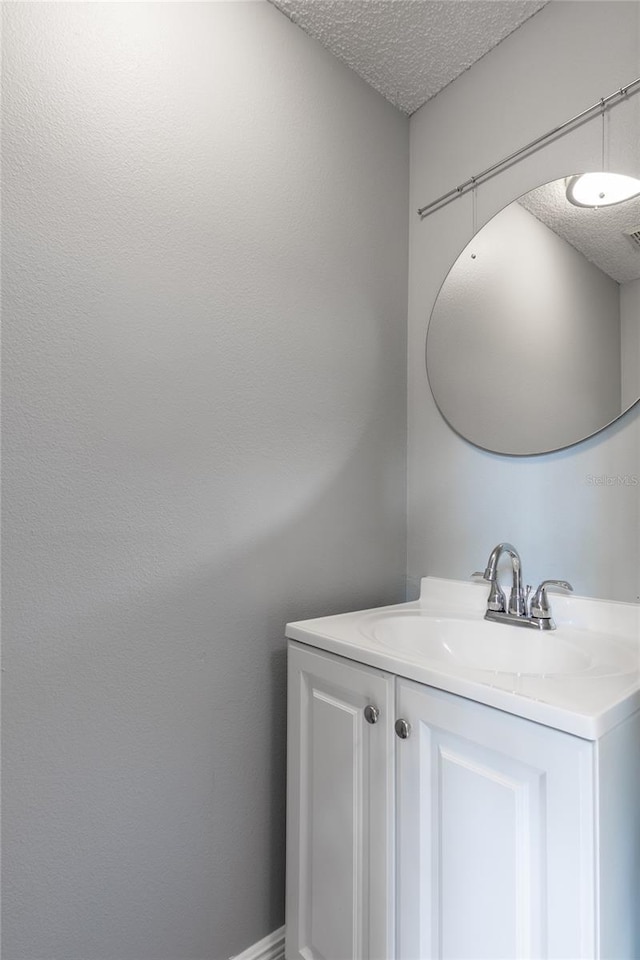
408,50
598,234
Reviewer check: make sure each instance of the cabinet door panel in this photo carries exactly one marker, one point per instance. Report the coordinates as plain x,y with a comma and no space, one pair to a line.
495,834
340,834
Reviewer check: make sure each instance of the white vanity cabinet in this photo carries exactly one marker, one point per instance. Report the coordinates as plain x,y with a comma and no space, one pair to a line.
495,833
480,835
340,811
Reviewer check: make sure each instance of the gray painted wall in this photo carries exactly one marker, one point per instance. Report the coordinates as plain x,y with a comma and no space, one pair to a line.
573,514
630,335
523,352
205,247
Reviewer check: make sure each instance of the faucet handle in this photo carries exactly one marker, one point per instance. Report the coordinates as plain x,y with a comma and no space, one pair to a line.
540,602
479,573
496,600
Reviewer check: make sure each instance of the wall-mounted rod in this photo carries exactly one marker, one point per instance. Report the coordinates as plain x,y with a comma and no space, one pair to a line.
620,94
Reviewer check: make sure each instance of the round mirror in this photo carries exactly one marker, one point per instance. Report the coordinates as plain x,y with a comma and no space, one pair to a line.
534,339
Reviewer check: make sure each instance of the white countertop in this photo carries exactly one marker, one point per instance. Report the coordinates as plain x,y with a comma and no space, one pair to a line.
585,704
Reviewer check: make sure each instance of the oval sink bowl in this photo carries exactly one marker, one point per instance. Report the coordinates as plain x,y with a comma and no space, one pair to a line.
497,648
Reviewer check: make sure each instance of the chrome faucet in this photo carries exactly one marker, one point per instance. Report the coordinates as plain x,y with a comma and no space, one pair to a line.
524,609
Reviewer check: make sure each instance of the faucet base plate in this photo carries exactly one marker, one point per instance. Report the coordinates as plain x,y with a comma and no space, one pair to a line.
533,623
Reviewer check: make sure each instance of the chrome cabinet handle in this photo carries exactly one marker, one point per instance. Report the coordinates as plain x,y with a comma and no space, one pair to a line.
371,713
402,728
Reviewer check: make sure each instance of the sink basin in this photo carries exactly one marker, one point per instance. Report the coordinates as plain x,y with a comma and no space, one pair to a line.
583,678
479,645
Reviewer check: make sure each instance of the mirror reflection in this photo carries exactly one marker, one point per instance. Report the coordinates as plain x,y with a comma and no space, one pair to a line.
534,339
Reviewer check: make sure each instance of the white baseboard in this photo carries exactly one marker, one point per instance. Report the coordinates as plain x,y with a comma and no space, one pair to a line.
270,947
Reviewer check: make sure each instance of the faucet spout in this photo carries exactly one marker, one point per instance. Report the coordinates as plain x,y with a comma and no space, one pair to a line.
517,604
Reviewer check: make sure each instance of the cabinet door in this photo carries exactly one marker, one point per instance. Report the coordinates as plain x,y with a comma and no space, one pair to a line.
495,834
340,812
